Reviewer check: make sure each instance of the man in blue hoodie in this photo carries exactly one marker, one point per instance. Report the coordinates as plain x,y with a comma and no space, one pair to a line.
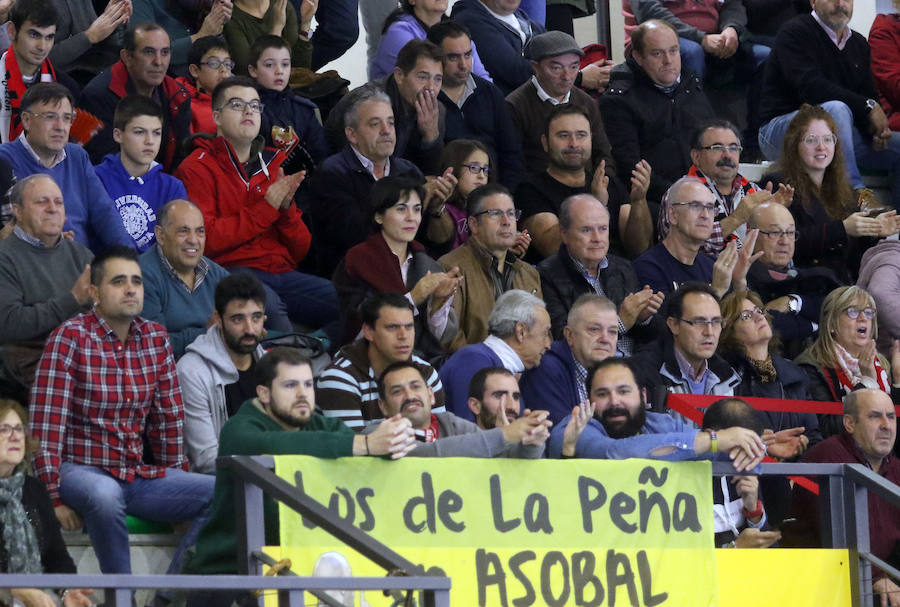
47,115
133,179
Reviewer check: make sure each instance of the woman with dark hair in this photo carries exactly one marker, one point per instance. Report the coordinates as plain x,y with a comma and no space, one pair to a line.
31,539
410,22
390,260
828,220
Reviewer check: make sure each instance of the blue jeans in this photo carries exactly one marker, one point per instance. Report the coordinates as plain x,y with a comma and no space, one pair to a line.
103,501
693,58
858,151
336,31
305,299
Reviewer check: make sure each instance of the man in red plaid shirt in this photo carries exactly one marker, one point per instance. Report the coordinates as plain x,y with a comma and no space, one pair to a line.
105,381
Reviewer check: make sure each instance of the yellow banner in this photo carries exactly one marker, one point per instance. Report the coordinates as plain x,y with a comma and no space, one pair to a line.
514,532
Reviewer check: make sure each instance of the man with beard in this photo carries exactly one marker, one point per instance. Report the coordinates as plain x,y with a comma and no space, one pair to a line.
494,397
716,154
402,390
281,419
615,424
218,371
180,282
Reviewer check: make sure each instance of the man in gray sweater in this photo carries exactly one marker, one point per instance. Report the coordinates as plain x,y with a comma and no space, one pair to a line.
44,276
402,389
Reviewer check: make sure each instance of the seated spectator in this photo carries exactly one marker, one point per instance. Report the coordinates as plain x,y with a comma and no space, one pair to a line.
475,108
34,543
494,397
652,106
792,294
412,21
338,193
519,334
869,431
488,267
583,265
179,282
251,19
403,390
617,425
716,154
830,225
501,30
818,59
47,115
209,63
879,274
391,261
177,22
132,178
567,140
85,43
346,389
280,420
92,455
687,363
218,372
558,382
44,277
884,40
690,210
554,59
146,53
844,357
289,121
740,520
25,62
247,203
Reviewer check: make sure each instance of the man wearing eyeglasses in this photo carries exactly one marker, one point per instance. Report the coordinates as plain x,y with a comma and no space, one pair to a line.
145,58
248,206
488,267
716,154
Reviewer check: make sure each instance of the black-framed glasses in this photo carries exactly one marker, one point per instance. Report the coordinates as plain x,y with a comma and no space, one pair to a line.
711,323
695,206
6,430
215,64
854,313
718,148
748,314
513,214
777,234
477,168
239,105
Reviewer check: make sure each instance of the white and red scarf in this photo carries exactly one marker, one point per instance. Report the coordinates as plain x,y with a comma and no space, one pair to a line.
13,88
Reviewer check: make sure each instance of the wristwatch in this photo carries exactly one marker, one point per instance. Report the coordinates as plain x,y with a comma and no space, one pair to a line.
871,104
793,304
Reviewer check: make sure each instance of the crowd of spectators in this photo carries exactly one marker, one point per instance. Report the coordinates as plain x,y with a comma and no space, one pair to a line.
503,248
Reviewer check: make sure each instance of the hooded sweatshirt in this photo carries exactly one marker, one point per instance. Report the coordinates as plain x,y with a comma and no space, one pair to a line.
203,372
139,198
879,274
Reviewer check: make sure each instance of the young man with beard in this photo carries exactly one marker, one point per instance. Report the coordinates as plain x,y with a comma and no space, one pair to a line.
218,371
615,424
494,392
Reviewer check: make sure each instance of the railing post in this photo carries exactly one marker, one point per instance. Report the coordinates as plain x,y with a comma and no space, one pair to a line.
290,598
249,508
858,528
833,504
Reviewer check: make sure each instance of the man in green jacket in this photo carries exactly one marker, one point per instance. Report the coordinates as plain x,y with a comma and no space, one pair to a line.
281,420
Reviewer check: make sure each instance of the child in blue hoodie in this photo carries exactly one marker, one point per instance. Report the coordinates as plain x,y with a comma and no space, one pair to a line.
133,179
286,115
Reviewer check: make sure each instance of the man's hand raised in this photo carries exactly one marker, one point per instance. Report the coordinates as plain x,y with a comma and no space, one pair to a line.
281,192
393,436
532,428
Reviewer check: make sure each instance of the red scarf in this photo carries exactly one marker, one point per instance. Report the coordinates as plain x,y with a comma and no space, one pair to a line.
15,89
373,262
431,433
880,376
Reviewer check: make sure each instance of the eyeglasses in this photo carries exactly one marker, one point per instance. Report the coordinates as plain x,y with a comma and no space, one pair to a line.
695,206
748,314
718,148
854,313
711,323
815,140
477,168
513,214
215,64
777,234
6,430
67,117
239,105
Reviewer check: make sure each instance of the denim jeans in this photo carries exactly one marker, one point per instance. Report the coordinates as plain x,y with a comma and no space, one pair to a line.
858,151
103,501
693,58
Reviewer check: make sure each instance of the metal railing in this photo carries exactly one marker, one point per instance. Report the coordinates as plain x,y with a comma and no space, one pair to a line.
844,520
